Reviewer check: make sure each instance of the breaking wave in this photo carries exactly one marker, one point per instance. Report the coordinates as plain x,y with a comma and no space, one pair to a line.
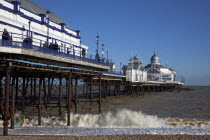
121,118
118,119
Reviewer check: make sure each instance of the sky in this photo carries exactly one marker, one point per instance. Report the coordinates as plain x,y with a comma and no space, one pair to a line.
177,30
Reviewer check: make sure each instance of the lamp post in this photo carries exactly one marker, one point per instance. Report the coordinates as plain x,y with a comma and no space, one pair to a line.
120,67
29,25
97,43
102,52
80,48
107,55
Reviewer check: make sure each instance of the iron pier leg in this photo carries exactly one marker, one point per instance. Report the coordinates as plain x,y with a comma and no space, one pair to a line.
31,90
86,90
99,102
91,84
6,104
75,95
1,98
60,96
13,103
49,89
23,94
40,101
35,88
69,97
45,94
16,90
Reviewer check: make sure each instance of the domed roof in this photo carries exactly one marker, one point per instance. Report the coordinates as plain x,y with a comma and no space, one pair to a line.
154,57
32,7
136,57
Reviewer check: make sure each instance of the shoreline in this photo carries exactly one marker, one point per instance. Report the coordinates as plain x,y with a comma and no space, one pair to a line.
106,137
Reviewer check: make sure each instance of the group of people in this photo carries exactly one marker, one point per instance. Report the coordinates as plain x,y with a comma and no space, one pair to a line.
51,46
6,38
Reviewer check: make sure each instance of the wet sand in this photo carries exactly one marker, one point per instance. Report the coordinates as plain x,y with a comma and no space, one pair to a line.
110,137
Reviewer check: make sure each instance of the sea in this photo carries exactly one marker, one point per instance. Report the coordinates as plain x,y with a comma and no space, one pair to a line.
162,113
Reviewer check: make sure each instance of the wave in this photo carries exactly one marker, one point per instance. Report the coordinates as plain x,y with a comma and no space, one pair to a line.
119,119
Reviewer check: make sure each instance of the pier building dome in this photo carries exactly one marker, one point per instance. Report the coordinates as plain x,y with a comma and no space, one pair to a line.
157,72
154,59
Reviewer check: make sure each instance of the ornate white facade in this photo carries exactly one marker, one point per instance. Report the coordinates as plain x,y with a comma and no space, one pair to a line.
24,19
152,72
134,71
157,72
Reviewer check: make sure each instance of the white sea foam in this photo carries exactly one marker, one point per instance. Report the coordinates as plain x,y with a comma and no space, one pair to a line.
119,119
123,121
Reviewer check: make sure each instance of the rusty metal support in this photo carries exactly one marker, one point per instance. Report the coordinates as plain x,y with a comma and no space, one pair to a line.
40,101
60,96
91,94
75,94
69,98
86,90
49,90
16,89
109,90
31,90
13,103
99,101
23,95
35,88
45,92
1,98
6,103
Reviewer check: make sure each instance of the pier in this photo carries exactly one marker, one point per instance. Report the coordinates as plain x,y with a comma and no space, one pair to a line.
46,71
36,82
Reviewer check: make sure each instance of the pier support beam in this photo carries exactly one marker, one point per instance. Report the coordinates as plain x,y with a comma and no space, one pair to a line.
23,94
60,96
91,94
6,103
1,99
69,98
13,103
16,90
40,101
75,94
99,101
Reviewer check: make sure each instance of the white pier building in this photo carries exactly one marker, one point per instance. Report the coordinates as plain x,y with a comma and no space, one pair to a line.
25,19
157,72
37,32
134,71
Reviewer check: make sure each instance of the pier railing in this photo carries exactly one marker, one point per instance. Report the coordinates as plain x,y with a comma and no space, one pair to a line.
74,54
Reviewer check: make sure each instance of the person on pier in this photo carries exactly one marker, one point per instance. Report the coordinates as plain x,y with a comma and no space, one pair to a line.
5,36
69,49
